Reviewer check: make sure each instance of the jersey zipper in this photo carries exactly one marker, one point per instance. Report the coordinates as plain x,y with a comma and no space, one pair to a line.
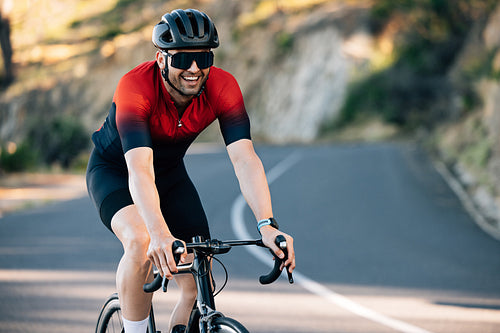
179,124
177,127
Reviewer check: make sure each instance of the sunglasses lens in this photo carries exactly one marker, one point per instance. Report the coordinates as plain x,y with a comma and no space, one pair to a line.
183,60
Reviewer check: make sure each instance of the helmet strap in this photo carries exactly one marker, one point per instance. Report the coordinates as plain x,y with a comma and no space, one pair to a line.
164,73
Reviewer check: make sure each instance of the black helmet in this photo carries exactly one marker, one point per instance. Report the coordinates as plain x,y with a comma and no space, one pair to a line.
185,29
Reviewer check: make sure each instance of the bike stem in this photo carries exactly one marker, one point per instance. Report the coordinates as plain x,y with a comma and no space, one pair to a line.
203,277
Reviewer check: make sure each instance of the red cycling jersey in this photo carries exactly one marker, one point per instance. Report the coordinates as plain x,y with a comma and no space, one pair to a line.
144,115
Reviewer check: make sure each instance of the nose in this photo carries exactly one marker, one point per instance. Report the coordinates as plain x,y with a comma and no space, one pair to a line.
194,67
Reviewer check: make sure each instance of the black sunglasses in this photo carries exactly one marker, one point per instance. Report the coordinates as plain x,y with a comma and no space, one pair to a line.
184,60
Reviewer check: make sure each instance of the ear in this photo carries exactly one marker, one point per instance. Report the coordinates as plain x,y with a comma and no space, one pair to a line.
160,59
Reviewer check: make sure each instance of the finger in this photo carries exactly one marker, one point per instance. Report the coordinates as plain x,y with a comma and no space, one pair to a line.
279,252
290,263
164,267
290,257
171,262
155,262
184,254
290,266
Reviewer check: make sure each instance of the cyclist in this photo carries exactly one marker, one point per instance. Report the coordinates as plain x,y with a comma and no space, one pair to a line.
136,175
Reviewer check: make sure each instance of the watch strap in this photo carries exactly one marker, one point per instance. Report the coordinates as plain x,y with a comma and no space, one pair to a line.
270,221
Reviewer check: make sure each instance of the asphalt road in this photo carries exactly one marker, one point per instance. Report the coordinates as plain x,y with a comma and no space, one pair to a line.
383,245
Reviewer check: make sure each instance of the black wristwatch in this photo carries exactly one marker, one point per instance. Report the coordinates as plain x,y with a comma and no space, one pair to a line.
270,221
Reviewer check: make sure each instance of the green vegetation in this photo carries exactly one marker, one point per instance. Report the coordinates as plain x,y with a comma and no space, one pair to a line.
482,66
58,140
400,98
414,90
469,145
284,42
23,158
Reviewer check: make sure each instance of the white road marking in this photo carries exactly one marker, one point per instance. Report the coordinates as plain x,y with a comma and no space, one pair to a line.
466,201
239,228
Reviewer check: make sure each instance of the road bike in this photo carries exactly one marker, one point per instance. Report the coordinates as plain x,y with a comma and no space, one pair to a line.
204,317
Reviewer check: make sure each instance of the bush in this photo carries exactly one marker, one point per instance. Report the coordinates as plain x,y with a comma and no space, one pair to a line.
399,97
284,42
22,159
58,140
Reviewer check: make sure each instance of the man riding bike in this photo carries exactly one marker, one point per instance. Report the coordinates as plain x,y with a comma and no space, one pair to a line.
136,175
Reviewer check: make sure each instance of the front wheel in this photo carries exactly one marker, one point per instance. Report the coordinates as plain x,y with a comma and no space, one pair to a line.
227,325
110,318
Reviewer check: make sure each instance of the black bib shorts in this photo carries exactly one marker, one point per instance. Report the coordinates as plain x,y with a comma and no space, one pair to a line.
107,184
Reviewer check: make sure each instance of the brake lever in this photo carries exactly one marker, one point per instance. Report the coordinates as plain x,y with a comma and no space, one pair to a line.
281,243
159,281
178,249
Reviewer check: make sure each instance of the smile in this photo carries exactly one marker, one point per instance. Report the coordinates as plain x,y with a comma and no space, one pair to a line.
191,78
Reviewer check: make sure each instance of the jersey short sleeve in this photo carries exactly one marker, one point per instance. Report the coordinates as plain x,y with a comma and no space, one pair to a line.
231,113
133,110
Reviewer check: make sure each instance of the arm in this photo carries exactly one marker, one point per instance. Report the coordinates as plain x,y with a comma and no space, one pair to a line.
253,184
145,195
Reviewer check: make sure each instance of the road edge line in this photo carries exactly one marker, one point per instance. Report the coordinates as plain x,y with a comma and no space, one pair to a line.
466,201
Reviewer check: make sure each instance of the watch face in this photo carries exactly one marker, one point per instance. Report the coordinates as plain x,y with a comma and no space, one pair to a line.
274,223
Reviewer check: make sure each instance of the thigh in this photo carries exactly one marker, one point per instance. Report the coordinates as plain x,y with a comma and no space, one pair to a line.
182,209
107,185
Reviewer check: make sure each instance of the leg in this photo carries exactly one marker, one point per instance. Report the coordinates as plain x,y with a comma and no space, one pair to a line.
182,310
181,206
134,267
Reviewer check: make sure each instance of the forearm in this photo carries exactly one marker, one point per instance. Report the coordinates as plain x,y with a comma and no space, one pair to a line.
145,196
254,186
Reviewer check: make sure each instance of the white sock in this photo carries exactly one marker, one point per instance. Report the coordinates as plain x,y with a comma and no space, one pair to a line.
135,326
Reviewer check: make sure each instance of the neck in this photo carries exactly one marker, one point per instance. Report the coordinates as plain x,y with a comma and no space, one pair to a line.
180,101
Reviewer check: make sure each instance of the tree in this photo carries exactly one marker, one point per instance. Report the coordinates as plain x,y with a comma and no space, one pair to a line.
6,46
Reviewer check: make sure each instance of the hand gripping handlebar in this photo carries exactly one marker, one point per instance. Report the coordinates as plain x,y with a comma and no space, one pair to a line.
159,281
280,241
218,247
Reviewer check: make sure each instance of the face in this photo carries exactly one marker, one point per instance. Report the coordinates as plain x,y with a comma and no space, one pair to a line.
189,80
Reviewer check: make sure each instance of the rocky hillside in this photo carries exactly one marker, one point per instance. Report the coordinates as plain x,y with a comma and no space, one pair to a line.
309,70
293,60
470,143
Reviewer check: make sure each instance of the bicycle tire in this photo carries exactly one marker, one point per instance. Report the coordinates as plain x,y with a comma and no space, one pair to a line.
194,319
110,318
227,325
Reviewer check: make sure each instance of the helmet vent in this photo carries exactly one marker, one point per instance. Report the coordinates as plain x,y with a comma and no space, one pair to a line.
206,25
194,25
167,36
180,25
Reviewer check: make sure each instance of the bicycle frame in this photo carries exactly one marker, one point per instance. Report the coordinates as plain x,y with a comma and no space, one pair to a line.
201,270
202,273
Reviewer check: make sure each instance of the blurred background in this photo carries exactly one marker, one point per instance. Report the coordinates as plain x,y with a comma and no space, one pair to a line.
357,94
310,70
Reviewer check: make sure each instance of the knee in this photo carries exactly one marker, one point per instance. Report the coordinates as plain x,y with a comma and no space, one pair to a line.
136,243
130,229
